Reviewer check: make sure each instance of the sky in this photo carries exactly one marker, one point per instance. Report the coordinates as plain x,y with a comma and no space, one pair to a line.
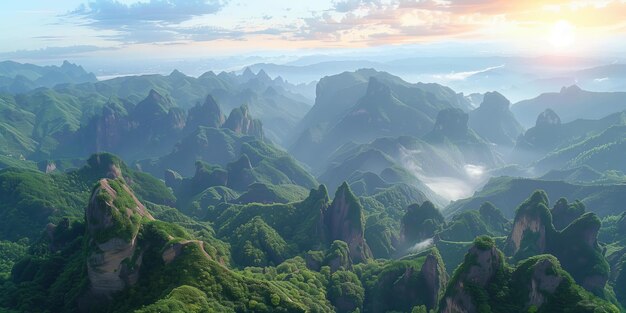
109,29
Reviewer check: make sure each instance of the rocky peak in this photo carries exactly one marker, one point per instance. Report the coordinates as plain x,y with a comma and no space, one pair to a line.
153,106
433,273
541,283
547,118
576,247
262,76
113,218
495,101
104,165
319,195
571,90
207,114
241,122
532,220
177,74
482,262
451,122
343,220
578,250
247,74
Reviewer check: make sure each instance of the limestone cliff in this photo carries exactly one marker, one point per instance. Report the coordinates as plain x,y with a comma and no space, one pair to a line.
483,263
532,224
576,246
241,122
343,220
207,114
113,217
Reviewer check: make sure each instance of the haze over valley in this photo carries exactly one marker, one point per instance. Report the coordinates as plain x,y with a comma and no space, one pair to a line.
330,156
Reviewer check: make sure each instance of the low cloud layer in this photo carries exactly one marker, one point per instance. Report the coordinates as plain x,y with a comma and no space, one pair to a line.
111,13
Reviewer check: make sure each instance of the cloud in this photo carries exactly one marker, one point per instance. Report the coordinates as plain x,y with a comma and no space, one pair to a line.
111,13
375,22
464,75
351,5
52,52
345,22
155,21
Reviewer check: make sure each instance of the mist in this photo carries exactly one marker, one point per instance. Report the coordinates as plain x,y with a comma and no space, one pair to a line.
421,246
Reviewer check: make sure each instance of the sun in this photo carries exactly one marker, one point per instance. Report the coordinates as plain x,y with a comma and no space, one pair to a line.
562,35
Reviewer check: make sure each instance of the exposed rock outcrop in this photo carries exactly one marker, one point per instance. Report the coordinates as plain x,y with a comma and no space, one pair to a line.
241,122
206,114
576,246
113,219
547,118
416,280
343,220
433,274
494,121
541,283
481,265
532,224
451,123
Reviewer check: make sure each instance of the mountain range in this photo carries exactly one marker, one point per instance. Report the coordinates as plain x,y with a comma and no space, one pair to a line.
238,192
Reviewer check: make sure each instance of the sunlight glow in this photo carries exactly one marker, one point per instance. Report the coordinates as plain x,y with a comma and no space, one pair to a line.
563,35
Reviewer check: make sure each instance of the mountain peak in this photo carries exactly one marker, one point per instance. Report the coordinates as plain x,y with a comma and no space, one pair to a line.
177,73
452,122
207,114
573,89
263,75
241,122
547,117
495,100
113,217
248,74
343,220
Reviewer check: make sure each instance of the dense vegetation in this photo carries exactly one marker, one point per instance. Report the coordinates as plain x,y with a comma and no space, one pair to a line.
203,211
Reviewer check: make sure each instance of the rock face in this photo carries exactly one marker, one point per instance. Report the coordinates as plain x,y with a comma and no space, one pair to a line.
113,219
451,123
343,220
485,262
494,121
542,283
532,224
206,114
580,254
547,118
576,246
241,122
417,280
434,276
